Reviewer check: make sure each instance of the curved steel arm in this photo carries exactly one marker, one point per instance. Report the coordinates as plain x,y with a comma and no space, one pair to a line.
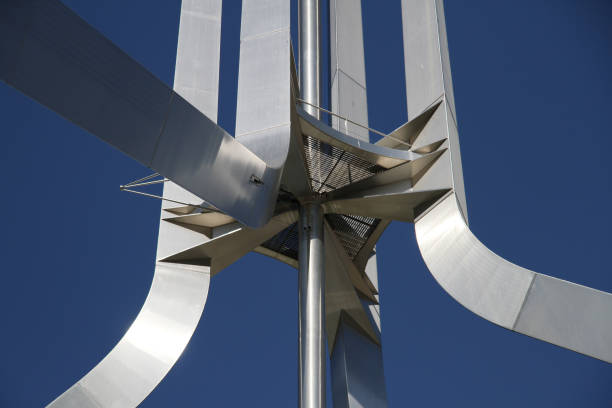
559,312
150,347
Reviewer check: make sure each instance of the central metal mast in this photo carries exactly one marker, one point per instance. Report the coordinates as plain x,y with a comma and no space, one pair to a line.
311,278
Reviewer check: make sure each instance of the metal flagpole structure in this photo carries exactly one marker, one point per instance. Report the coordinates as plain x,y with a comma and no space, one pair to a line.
287,185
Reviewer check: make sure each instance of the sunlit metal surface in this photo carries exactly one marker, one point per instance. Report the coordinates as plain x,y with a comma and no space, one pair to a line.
356,355
178,293
550,309
311,287
347,68
231,196
150,347
119,101
428,76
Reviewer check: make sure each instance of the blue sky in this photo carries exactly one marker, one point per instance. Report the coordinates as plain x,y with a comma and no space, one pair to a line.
532,85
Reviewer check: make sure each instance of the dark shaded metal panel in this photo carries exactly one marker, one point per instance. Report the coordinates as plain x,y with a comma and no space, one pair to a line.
353,231
285,242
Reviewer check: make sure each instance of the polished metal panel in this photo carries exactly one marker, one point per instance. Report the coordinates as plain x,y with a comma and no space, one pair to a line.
356,356
217,165
231,186
570,315
119,101
347,63
178,294
550,309
309,50
428,76
196,76
311,282
263,112
150,347
110,94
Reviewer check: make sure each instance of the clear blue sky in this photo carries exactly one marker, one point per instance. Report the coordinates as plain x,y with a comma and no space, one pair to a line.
532,85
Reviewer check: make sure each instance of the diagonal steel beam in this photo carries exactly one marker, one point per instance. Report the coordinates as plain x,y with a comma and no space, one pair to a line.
53,56
176,300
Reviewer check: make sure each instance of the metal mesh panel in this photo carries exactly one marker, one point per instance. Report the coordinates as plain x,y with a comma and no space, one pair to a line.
330,167
352,230
285,242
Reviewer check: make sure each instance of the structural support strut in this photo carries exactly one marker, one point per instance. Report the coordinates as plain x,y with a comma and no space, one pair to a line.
311,281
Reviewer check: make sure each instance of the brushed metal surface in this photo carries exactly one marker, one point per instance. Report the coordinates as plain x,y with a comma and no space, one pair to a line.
178,293
196,76
150,347
356,355
263,111
347,68
116,99
549,309
428,76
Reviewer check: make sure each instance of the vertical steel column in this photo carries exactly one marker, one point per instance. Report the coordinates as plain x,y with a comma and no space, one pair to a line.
309,46
311,281
311,278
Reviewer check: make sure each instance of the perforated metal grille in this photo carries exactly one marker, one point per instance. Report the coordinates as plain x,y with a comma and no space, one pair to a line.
285,242
352,230
330,167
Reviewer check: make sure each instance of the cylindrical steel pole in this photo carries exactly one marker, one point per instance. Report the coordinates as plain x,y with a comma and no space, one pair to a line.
309,47
311,281
311,278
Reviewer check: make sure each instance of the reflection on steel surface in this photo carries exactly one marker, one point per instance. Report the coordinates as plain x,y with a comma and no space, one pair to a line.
123,104
178,294
549,309
356,355
150,347
246,193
